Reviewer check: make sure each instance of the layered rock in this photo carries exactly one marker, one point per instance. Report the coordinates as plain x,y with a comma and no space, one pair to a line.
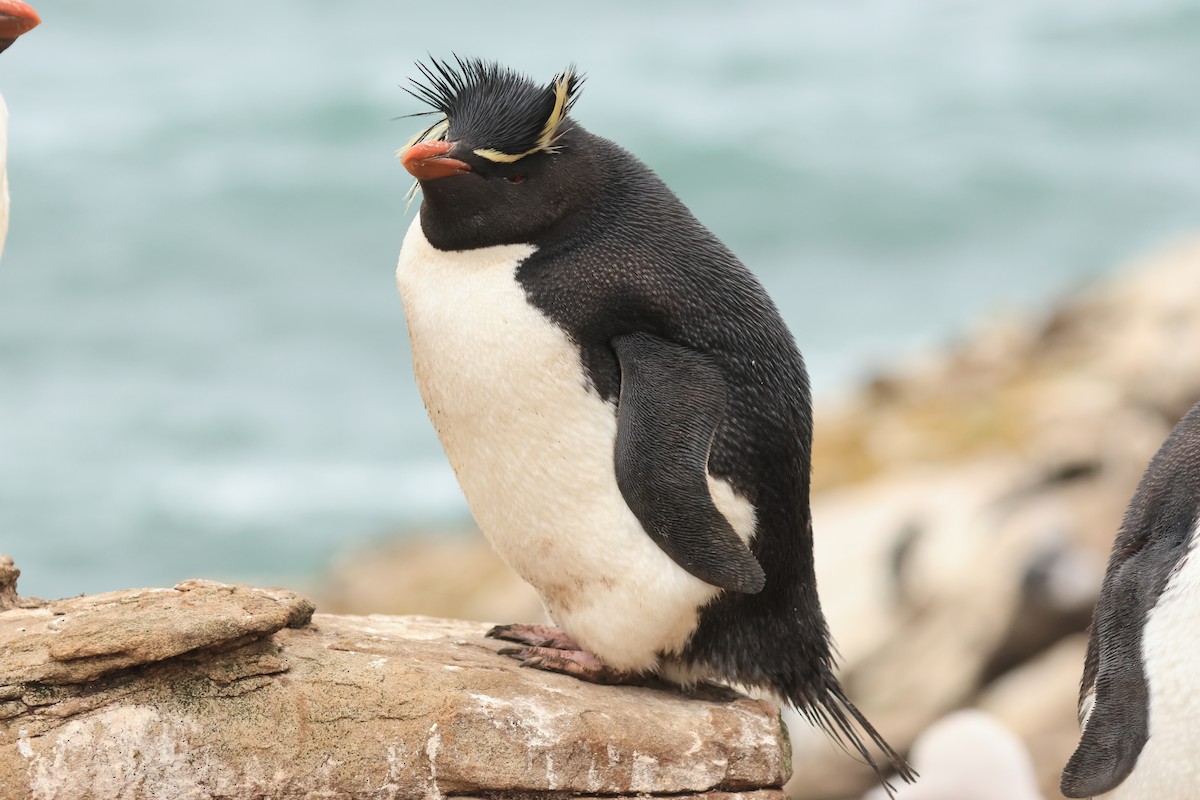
207,690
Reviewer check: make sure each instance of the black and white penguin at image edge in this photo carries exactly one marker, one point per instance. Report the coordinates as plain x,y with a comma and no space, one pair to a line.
1140,694
16,19
625,410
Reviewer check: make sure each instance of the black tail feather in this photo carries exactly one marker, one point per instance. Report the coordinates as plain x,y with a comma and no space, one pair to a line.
840,719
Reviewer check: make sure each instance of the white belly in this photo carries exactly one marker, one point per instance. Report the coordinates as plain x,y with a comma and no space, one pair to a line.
1169,765
3,174
532,445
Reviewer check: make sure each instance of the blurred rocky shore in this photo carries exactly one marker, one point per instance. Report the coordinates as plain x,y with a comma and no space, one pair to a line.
965,502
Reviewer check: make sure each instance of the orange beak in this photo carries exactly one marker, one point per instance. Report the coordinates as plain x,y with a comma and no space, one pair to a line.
427,161
16,18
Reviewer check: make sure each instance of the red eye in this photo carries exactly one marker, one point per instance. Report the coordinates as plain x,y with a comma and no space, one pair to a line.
515,178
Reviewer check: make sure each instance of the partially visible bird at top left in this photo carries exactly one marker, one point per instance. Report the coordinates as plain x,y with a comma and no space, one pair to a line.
16,18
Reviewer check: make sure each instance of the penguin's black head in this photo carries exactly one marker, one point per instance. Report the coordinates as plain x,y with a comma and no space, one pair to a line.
502,165
16,18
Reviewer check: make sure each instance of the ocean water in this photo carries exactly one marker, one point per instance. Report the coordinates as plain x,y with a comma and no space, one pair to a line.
203,365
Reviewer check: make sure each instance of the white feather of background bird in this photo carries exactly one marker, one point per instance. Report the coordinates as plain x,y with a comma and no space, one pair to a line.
969,755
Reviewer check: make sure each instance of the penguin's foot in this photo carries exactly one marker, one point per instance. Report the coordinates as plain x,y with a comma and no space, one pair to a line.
577,663
535,636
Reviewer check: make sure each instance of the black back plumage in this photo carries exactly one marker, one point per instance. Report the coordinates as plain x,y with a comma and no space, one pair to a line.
641,262
1155,535
625,256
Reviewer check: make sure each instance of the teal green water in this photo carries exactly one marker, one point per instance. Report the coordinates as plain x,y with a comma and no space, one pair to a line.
203,366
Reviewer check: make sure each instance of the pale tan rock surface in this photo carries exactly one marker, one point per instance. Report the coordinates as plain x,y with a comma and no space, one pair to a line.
204,691
80,639
8,583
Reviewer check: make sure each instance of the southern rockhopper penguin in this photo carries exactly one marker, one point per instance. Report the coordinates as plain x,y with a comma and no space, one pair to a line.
1139,699
16,18
622,404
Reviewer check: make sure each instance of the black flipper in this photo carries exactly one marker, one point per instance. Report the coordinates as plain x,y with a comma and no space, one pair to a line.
672,401
1119,724
1155,536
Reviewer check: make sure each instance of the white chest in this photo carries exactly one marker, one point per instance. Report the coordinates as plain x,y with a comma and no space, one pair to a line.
3,173
532,446
1169,765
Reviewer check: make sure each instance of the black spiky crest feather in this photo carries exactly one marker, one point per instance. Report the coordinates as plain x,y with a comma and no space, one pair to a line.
502,114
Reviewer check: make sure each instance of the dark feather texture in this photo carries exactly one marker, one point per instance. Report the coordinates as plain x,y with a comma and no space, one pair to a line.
1155,536
492,107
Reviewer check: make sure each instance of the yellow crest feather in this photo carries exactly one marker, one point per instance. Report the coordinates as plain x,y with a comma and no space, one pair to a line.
545,140
561,86
501,158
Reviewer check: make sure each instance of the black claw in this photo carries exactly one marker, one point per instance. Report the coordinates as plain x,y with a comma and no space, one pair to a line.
498,632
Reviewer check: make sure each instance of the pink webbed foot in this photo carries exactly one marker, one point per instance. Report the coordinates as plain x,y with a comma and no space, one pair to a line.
548,648
577,663
534,636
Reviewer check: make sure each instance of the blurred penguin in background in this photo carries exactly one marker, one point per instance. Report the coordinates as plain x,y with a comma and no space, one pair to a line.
969,755
1140,695
16,18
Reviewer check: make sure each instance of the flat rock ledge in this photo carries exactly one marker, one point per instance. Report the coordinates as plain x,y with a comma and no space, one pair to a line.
215,691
